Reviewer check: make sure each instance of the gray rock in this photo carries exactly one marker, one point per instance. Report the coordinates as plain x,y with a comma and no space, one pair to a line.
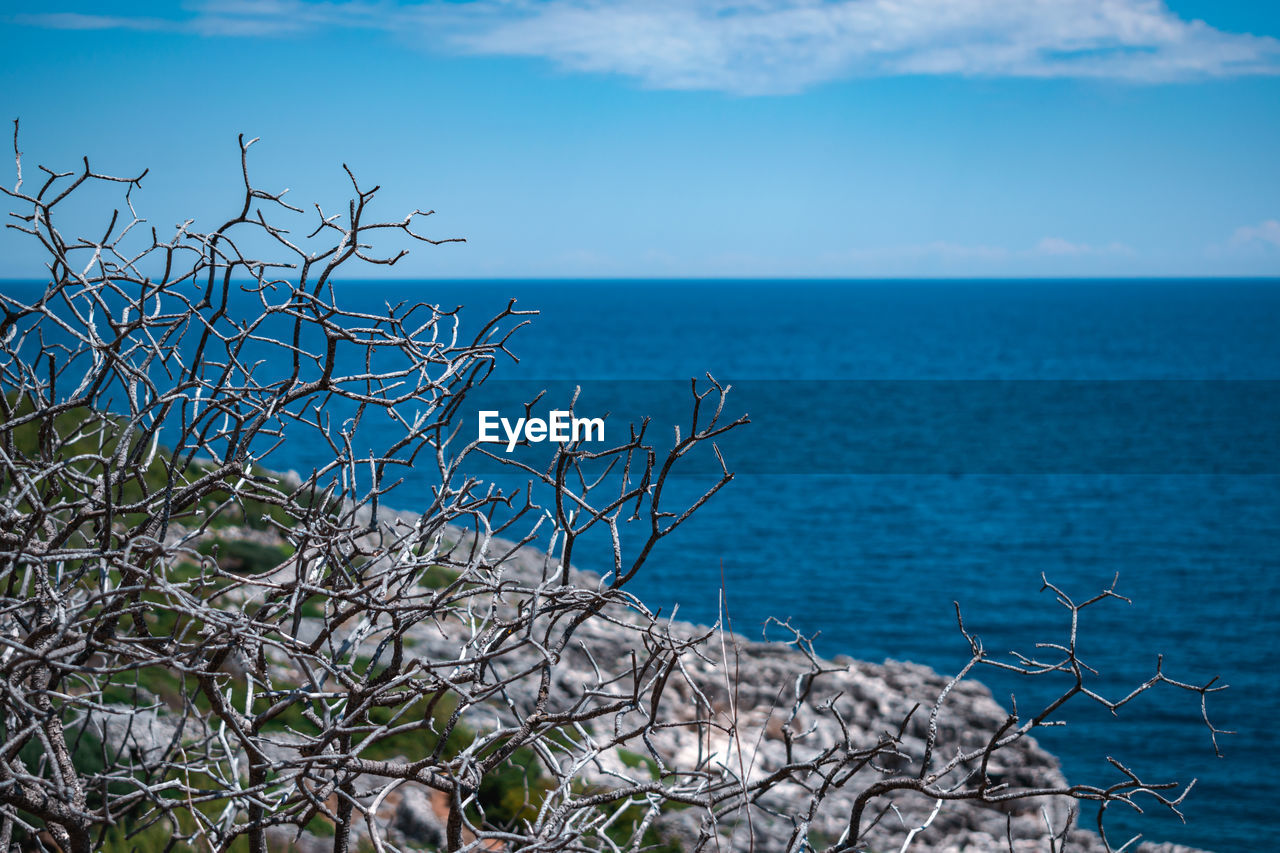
415,820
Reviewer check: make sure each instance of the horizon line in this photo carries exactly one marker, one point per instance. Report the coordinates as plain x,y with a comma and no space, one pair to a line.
1272,277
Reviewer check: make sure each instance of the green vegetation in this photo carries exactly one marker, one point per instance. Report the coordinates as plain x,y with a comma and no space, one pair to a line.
622,829
85,438
515,791
439,577
511,793
244,557
634,759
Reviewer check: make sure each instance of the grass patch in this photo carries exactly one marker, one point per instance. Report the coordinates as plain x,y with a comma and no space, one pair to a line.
439,577
244,557
632,760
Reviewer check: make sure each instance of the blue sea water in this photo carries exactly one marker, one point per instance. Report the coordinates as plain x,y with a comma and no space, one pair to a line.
872,556
874,561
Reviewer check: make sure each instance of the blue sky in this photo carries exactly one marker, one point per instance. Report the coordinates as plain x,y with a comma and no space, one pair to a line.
697,138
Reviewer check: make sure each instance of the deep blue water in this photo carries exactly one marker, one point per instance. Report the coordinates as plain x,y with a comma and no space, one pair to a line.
874,559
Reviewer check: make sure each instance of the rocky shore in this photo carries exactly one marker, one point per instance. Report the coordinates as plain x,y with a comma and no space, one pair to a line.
873,699
753,680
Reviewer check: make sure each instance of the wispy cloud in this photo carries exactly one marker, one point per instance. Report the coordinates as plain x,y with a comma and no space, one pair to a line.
244,18
787,45
938,249
771,46
1058,247
1047,247
79,21
1265,233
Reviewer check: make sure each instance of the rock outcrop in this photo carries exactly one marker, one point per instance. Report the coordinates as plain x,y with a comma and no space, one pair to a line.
751,687
873,699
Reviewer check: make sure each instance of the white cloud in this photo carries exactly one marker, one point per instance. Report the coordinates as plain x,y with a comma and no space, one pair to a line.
786,45
776,46
78,21
245,18
1058,247
916,251
1054,247
1265,233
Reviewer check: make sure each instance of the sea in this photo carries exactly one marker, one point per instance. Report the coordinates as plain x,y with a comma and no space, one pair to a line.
918,446
870,545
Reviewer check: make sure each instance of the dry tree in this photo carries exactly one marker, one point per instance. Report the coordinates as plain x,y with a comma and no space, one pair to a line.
199,653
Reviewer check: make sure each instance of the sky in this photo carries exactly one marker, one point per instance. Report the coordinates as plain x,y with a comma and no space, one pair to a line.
703,138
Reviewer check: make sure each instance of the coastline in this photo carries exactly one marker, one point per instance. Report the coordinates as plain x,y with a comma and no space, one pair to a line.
748,684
